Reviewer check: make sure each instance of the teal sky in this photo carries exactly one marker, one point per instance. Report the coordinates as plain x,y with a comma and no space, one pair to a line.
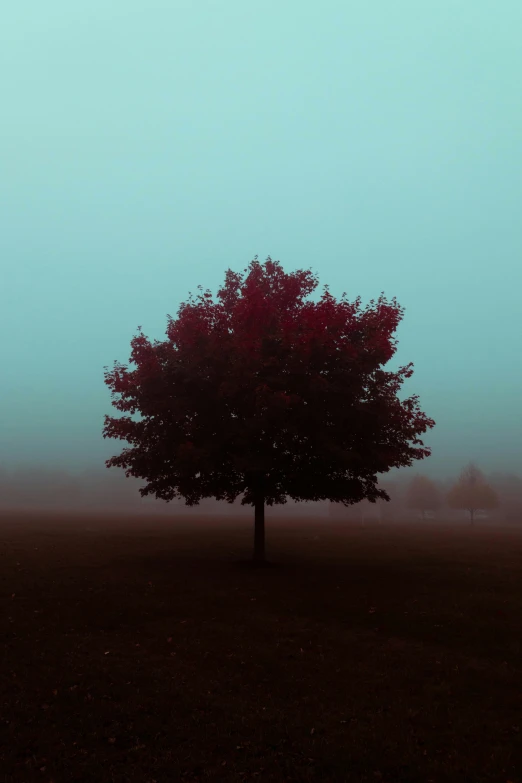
149,146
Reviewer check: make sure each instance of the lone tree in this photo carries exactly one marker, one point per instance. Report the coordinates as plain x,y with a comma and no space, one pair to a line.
264,394
423,495
472,492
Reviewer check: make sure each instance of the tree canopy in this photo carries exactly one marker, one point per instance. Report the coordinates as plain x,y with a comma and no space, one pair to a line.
266,395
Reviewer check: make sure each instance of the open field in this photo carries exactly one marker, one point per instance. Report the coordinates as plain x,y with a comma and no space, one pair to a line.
134,652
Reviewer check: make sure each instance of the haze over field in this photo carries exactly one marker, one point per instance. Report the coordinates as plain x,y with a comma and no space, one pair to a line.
148,147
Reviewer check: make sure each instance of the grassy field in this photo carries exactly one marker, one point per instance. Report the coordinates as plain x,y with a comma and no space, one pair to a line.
137,652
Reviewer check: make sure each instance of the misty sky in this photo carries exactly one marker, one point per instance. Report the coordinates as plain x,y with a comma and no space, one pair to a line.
146,147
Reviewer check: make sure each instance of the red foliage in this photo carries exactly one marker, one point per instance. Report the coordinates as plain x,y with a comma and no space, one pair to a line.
262,383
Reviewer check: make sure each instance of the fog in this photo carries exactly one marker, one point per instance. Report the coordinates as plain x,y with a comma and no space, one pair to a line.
147,148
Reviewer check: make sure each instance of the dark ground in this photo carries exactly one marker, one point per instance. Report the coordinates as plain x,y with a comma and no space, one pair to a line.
383,654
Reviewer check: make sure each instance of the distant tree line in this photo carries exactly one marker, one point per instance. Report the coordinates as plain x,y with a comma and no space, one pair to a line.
97,489
470,496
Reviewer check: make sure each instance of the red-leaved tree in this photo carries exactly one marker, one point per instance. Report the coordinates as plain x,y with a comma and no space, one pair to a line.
264,394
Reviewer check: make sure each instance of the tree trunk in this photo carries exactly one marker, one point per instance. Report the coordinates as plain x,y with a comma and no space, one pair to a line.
471,512
259,521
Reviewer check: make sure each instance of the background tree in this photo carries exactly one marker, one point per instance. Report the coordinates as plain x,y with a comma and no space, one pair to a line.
423,495
264,394
472,492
